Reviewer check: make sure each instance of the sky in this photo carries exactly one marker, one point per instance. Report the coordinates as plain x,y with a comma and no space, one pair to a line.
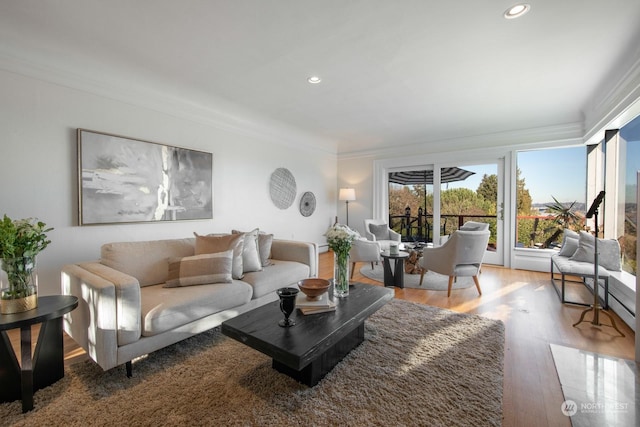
559,173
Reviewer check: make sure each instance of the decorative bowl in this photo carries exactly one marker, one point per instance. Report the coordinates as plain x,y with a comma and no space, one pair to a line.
313,288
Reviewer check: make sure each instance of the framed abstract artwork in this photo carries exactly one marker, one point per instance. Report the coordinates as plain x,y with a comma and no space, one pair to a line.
124,180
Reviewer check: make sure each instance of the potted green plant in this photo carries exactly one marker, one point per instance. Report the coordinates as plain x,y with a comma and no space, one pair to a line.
563,217
20,241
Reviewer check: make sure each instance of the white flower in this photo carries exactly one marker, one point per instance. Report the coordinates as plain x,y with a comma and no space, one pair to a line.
340,237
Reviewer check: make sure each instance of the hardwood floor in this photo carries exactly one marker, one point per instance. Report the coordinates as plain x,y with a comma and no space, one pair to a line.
534,317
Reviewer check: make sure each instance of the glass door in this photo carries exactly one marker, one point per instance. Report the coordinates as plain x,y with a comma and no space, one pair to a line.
472,192
428,203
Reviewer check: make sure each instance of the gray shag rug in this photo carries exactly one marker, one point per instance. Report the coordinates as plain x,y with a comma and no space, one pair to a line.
432,281
418,365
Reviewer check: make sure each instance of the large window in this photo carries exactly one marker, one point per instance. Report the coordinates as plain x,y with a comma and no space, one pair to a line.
550,195
630,162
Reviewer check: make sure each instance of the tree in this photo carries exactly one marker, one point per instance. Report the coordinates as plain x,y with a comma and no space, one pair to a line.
488,187
523,197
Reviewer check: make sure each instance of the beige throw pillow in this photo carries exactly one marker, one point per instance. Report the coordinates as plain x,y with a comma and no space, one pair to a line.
212,244
200,269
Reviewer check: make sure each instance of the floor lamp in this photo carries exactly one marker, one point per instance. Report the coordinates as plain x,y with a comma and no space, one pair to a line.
348,195
595,308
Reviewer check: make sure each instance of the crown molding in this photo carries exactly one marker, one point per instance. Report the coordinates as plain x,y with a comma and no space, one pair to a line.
614,105
563,134
230,117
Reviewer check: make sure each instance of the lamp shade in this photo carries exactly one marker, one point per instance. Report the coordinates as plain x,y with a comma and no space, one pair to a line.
348,194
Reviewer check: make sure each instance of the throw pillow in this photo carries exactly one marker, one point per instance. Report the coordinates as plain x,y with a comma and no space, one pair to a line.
200,269
380,231
265,242
569,243
250,252
608,251
569,247
211,244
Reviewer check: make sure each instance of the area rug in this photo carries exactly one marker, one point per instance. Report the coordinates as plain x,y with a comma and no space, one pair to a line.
418,365
432,281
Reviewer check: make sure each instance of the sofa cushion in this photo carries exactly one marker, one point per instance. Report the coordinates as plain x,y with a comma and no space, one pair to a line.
608,251
221,243
147,261
250,251
380,231
277,275
200,269
164,309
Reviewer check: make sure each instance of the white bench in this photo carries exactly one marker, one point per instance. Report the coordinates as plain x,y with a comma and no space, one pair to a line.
568,267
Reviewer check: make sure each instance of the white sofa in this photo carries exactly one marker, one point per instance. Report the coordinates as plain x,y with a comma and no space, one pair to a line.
125,311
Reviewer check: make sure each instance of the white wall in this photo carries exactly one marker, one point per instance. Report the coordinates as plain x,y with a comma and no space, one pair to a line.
38,171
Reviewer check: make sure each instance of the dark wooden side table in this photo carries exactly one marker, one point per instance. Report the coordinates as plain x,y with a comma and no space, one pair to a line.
47,364
395,276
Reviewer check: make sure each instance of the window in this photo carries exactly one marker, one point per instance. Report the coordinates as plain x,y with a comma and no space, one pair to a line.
550,195
630,164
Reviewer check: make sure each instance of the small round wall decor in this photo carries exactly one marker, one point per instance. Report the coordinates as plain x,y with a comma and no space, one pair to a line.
307,204
282,188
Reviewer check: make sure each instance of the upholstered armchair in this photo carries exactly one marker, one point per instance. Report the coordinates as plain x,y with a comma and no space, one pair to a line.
377,230
461,255
363,250
474,226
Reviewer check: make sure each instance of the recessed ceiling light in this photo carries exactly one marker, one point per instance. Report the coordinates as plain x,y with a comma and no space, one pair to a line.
314,80
517,11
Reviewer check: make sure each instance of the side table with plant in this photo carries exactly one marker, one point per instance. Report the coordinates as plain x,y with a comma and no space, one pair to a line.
20,241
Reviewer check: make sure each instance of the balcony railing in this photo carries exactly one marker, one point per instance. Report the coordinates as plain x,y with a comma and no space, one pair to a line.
420,228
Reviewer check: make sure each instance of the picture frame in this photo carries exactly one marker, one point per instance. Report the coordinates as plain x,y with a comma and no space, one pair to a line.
128,180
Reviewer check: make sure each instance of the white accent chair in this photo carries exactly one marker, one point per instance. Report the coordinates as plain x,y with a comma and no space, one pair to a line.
461,255
380,233
474,226
363,250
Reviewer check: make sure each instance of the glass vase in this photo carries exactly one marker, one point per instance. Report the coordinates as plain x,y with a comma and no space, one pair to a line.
341,274
18,285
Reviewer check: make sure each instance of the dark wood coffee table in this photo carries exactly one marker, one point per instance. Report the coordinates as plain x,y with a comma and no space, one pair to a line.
311,348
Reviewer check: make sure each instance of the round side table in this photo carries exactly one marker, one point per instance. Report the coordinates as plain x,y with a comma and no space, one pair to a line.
395,276
47,364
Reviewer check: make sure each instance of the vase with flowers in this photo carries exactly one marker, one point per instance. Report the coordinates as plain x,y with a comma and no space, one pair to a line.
20,241
340,237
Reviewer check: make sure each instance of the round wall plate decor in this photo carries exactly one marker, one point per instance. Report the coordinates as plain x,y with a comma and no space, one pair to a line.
282,188
307,204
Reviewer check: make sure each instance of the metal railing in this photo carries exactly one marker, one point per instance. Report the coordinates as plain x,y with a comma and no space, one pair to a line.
419,228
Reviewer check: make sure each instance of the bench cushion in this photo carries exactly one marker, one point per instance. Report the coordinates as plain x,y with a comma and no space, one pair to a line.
568,266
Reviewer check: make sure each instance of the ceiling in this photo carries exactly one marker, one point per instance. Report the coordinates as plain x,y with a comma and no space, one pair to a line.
393,72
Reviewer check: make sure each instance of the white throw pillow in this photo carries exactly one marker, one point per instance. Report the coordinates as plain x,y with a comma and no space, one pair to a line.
250,251
608,251
569,243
